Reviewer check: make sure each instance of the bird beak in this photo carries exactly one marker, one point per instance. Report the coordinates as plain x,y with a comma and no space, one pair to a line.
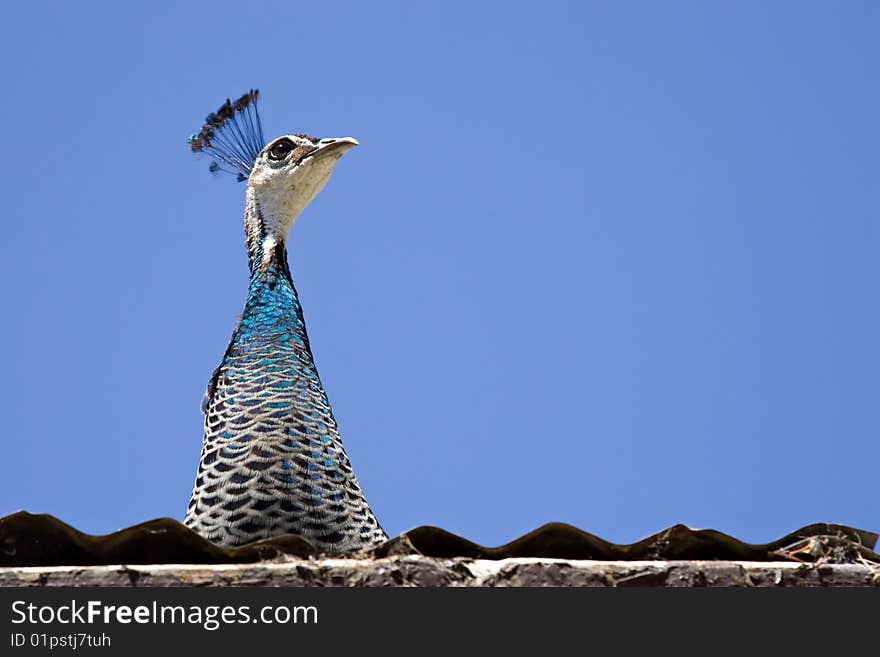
336,145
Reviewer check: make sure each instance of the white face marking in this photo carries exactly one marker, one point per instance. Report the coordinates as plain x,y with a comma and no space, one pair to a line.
283,188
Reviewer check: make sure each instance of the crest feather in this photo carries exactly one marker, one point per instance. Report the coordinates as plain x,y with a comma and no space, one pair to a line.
233,136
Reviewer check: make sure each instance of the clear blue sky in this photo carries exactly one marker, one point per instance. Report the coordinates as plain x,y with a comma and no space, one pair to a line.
613,264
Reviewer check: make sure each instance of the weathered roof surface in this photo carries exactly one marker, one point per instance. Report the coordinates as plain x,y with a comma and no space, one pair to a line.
43,540
419,571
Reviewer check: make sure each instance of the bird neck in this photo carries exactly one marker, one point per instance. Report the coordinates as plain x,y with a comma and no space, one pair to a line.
272,312
268,263
273,309
266,225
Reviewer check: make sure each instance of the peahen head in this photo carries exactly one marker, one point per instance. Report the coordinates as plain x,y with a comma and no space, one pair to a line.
282,176
288,174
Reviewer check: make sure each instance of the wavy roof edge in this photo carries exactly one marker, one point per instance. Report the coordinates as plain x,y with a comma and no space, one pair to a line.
42,540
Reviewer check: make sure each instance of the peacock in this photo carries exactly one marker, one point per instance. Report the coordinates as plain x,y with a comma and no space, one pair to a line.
272,460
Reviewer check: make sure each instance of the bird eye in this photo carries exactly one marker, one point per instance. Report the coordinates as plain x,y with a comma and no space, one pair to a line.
280,150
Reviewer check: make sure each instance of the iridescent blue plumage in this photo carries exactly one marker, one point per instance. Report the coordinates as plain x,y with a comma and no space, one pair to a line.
273,461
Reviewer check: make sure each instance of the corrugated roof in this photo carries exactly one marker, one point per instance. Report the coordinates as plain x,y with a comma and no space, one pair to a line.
43,540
